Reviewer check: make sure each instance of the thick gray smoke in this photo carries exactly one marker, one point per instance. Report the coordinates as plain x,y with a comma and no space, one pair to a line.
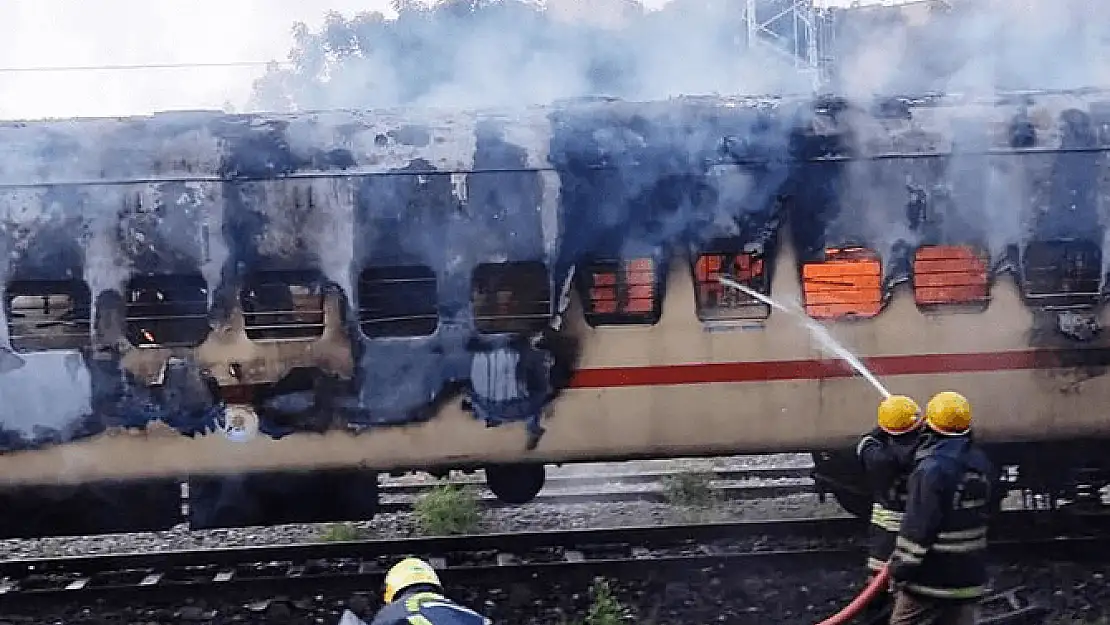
973,49
480,53
507,53
466,53
974,46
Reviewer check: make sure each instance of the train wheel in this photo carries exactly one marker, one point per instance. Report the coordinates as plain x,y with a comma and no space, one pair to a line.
853,503
515,483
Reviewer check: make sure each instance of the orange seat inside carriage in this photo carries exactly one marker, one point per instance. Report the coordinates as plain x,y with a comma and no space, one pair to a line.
623,287
848,283
950,274
715,301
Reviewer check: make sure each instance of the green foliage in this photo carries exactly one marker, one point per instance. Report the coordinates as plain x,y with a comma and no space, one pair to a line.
340,532
605,609
448,509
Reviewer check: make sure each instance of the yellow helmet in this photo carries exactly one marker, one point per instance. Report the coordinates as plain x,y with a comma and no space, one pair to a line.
948,413
899,414
406,573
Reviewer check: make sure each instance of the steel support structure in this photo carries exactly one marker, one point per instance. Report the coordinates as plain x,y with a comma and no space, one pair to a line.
787,28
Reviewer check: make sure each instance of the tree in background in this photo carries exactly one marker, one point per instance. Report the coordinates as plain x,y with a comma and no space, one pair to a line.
473,53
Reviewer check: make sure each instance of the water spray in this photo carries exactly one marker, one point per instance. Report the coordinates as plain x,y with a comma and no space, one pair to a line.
818,331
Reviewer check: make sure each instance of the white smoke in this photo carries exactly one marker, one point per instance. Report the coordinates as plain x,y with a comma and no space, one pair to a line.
517,54
977,48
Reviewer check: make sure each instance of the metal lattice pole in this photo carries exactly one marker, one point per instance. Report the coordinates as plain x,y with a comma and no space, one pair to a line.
787,28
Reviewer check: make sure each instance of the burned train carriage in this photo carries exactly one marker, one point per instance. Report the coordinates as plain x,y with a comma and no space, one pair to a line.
275,308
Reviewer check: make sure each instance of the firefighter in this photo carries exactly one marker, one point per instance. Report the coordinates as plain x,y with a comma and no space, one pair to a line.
886,453
414,596
938,569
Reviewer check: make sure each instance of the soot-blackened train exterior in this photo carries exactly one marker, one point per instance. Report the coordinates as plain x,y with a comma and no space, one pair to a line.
277,307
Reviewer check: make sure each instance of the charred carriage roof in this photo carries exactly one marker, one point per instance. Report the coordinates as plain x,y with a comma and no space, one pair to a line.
631,178
975,170
638,178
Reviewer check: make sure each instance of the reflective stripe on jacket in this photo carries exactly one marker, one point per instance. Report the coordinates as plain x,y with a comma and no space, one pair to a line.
941,547
886,461
427,608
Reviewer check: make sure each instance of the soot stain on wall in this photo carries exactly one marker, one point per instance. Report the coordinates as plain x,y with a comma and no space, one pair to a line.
634,180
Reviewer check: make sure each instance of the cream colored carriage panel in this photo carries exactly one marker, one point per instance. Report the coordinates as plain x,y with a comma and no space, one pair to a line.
588,424
1007,405
902,329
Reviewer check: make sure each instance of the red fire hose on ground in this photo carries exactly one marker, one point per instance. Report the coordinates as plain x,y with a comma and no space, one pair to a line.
863,598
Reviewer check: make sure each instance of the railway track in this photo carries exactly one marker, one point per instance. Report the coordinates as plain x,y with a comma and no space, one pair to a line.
733,484
528,557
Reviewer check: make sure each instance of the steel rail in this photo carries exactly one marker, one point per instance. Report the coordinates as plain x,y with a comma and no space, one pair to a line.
492,558
602,479
572,565
742,492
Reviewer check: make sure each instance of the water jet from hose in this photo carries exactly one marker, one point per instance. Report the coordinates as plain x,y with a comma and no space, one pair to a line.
817,330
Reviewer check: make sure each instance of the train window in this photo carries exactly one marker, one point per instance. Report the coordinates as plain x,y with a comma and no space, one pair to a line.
717,302
48,315
848,283
282,305
1062,274
398,301
167,310
511,297
950,276
621,292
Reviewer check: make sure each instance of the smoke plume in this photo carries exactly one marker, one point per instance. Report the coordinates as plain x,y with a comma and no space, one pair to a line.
479,53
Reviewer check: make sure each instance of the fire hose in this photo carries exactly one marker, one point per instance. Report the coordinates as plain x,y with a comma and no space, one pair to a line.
865,596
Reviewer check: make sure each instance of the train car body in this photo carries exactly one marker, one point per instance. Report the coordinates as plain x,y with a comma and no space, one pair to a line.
276,307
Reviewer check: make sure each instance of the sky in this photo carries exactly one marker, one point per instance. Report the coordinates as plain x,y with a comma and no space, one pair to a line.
56,33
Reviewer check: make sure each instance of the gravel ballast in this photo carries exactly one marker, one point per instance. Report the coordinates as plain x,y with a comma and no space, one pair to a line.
513,519
1077,593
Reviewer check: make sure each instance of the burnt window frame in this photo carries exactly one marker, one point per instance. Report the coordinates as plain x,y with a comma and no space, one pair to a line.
45,288
312,279
529,322
430,276
199,320
760,283
585,280
824,258
968,307
1063,300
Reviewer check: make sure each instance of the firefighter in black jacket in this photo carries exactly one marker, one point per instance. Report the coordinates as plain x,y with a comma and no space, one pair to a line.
938,570
886,453
413,596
